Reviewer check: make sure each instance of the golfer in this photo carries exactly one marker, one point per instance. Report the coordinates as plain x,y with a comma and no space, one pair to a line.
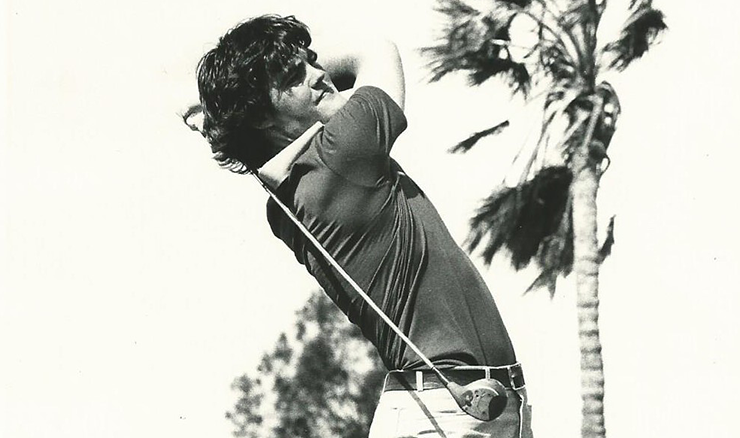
272,105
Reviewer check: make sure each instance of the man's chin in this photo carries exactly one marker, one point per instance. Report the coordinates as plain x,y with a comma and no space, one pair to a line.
330,105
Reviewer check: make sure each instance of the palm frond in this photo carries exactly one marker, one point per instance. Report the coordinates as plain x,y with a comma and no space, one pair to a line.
639,33
520,3
455,9
555,255
550,28
557,64
476,43
469,142
576,13
546,279
598,5
560,98
556,251
494,221
558,103
561,102
606,247
520,218
582,18
515,74
540,151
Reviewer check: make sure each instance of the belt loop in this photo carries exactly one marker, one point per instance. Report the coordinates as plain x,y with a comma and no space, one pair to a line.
419,381
487,371
514,372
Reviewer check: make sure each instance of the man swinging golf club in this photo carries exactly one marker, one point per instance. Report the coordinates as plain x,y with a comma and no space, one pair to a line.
360,225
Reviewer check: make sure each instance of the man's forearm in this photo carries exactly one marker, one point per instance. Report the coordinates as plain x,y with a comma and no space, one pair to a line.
353,62
343,71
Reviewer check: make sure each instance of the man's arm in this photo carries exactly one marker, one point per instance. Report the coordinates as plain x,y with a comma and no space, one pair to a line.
353,62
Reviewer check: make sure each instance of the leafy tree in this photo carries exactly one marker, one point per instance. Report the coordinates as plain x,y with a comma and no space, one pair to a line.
549,217
323,381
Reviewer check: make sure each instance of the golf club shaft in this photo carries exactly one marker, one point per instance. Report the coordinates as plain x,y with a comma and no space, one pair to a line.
351,281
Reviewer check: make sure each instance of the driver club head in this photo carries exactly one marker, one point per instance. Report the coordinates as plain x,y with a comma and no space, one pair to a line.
483,399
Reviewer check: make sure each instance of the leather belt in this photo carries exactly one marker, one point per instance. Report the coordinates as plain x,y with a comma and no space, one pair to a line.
510,376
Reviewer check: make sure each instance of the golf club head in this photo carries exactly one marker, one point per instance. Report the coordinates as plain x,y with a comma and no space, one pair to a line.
484,399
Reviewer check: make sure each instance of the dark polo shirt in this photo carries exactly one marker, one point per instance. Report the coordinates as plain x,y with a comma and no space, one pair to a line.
388,236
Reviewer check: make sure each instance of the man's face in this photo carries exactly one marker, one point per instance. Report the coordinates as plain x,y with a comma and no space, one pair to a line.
305,95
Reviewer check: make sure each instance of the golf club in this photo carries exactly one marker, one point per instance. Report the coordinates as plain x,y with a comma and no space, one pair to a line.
484,399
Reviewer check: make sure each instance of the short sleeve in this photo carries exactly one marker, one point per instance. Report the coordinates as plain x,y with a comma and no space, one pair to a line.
357,140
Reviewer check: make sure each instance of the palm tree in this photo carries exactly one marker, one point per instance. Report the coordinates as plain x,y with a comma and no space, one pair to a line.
549,217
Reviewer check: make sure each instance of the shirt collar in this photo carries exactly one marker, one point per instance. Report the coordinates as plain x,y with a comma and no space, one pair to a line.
274,172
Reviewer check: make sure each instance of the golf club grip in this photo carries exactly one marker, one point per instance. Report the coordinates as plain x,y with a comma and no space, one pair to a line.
347,277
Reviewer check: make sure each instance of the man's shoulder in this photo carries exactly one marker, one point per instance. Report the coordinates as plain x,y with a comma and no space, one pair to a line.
367,98
366,126
376,99
371,91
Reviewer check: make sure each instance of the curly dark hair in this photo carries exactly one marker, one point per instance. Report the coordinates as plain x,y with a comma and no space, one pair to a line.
234,82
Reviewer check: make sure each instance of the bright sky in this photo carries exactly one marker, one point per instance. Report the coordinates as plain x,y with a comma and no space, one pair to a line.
137,279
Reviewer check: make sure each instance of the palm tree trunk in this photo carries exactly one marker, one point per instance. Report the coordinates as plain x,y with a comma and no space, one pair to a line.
586,264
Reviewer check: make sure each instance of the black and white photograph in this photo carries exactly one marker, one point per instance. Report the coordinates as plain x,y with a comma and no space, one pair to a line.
351,219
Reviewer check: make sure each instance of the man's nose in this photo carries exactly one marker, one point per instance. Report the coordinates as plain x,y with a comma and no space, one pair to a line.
317,76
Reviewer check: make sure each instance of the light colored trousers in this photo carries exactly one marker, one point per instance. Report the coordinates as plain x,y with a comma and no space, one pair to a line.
434,413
